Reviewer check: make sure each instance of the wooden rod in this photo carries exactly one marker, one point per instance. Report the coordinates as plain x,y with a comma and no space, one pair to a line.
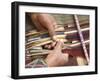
58,36
81,37
60,28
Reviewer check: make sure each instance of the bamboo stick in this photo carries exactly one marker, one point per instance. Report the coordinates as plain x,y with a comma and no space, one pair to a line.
76,44
57,36
60,28
81,37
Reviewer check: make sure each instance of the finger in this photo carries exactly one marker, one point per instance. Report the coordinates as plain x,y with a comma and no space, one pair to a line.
37,22
46,21
51,32
55,38
49,46
46,46
58,47
55,25
39,26
53,44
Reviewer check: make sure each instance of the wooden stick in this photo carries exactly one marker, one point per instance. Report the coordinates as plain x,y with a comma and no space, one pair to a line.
38,51
38,54
81,37
60,28
44,40
76,44
75,31
43,32
48,38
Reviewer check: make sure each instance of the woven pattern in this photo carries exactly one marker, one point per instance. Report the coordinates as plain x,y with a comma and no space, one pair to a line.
68,23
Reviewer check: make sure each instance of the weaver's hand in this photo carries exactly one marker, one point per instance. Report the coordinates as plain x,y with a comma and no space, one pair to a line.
45,22
56,57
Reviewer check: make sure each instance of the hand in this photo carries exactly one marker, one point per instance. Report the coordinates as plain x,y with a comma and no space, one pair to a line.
56,57
45,22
